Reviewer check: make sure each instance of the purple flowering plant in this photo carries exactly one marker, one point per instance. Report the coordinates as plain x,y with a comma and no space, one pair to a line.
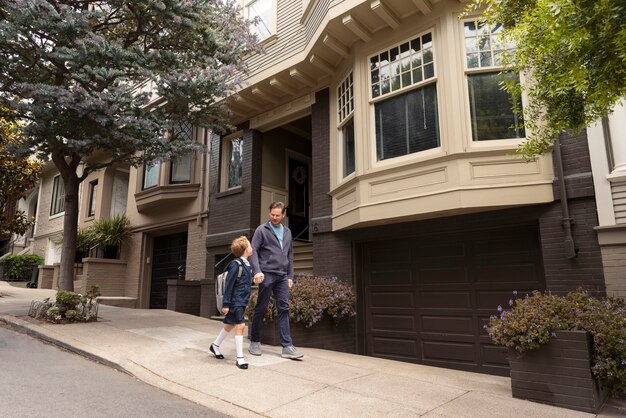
532,320
311,298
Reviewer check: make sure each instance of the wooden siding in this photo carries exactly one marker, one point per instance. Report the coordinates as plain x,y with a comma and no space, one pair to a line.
619,202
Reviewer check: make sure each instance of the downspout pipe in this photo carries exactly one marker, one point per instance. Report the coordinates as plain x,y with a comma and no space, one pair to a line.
570,248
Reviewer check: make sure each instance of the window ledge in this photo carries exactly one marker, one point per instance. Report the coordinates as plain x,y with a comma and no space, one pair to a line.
155,196
234,190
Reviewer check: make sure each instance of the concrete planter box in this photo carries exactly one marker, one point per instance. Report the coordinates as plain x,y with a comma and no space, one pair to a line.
558,373
325,334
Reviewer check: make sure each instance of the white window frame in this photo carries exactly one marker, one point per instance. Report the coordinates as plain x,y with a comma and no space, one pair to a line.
182,158
92,198
225,160
493,68
383,96
147,169
57,200
270,26
345,116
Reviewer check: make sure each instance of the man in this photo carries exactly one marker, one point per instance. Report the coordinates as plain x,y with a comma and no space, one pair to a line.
272,261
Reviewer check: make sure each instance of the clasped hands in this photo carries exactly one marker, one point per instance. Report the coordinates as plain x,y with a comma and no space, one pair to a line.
259,277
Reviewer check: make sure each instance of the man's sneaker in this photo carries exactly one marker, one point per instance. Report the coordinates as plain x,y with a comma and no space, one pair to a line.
255,348
291,352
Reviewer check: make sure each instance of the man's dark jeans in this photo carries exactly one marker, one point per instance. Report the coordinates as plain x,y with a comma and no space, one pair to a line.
279,286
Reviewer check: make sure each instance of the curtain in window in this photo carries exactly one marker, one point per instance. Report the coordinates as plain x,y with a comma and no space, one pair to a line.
181,169
235,163
407,123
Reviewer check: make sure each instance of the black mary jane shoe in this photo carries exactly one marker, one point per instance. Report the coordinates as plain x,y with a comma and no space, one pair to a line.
217,356
243,366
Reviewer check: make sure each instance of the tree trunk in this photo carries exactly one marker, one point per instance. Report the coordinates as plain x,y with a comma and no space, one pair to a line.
70,229
67,166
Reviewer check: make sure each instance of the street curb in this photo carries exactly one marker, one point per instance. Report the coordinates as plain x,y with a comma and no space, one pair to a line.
25,327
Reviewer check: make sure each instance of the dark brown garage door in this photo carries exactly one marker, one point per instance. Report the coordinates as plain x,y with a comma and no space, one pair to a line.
426,298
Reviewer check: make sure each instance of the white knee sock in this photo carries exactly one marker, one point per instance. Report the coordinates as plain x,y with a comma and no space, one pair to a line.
239,348
218,340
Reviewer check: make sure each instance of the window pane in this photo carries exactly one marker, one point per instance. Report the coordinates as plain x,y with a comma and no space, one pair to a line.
348,149
491,108
58,196
93,195
407,123
402,65
235,162
484,46
264,11
181,169
151,175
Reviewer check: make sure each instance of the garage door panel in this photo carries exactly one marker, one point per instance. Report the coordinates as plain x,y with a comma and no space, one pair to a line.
459,325
449,351
443,275
390,277
497,275
394,347
489,300
434,309
435,249
388,255
393,322
392,300
450,300
510,246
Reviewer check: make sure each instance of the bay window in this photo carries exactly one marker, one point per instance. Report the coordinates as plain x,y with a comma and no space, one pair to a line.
404,94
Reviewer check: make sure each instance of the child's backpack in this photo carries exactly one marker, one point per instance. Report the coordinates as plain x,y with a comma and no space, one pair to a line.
220,285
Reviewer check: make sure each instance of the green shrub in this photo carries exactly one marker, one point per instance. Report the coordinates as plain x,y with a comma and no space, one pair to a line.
532,320
17,267
68,307
311,298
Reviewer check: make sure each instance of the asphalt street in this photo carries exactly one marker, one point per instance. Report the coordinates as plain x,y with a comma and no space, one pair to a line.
41,380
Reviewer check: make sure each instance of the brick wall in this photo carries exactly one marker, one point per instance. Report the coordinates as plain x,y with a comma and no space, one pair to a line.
321,202
132,251
196,253
234,213
110,275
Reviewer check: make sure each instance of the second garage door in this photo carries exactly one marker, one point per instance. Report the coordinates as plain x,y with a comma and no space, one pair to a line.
426,298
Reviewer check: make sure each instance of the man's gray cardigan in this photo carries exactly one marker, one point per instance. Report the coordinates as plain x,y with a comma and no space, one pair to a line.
267,256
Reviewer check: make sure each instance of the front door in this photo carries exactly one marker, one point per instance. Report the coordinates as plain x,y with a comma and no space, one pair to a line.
298,210
169,254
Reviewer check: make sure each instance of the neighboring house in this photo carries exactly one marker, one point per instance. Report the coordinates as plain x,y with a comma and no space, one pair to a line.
383,126
22,244
167,208
607,144
165,204
48,229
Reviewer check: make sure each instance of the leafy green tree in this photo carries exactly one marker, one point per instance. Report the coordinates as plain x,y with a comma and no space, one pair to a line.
116,77
17,175
573,54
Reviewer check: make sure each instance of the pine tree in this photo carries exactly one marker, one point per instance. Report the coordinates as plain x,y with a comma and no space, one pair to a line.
116,77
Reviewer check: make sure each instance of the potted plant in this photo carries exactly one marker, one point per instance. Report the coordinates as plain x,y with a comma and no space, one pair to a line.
107,235
320,309
568,350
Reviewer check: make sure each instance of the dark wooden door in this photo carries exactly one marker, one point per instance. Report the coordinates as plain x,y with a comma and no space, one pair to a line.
298,211
426,298
169,253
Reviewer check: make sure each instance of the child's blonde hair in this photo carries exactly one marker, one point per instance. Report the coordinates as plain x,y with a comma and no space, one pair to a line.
239,246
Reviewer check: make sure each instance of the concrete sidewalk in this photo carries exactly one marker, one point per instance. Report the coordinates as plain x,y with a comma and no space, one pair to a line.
170,350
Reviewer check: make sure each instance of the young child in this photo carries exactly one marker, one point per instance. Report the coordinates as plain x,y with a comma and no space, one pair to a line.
236,297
